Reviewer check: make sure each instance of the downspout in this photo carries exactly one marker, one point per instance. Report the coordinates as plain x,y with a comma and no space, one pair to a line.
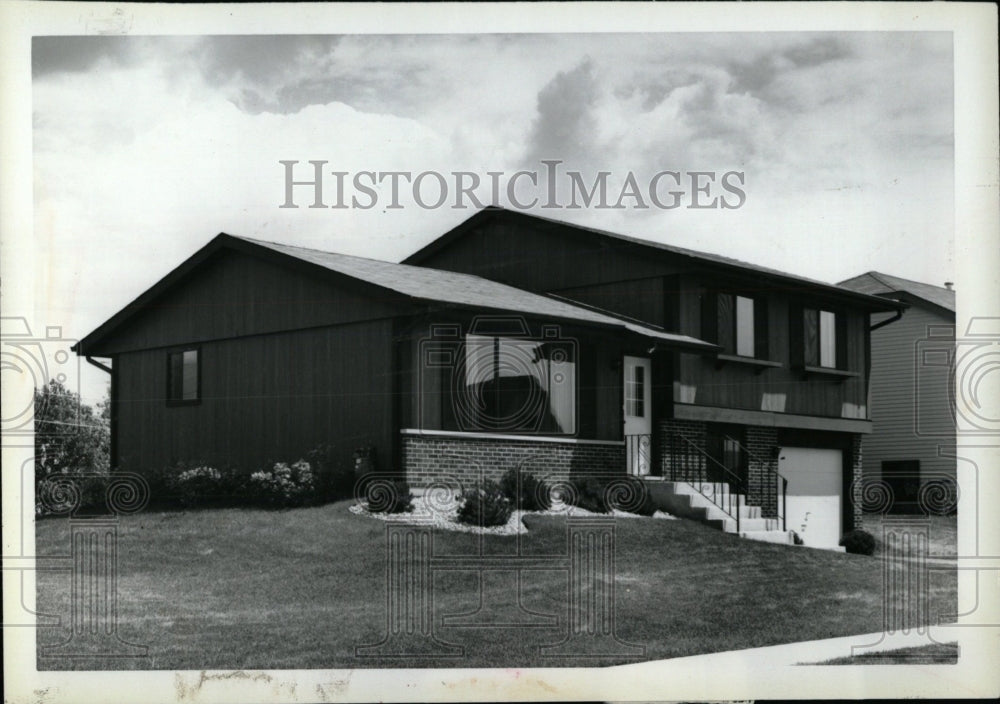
868,356
893,319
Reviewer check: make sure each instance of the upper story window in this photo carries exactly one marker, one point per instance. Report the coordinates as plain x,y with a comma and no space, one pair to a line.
183,378
737,323
823,339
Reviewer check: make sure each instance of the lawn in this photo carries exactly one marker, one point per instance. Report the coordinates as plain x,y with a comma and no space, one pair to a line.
942,531
236,588
931,654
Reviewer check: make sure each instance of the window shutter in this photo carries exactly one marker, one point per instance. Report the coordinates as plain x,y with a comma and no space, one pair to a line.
760,330
709,313
841,327
725,322
796,334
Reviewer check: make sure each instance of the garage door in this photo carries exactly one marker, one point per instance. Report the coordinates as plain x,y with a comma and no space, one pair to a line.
815,489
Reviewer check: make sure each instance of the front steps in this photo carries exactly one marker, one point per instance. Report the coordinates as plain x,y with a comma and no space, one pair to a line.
694,500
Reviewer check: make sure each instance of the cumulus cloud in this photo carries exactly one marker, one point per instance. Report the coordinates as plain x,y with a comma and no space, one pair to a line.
145,147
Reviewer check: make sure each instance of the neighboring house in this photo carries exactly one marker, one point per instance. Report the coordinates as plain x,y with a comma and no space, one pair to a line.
511,341
912,408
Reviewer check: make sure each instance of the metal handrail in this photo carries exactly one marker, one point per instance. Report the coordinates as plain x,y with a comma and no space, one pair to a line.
735,481
777,475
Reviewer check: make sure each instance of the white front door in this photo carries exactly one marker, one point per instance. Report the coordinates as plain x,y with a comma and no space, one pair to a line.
813,507
637,406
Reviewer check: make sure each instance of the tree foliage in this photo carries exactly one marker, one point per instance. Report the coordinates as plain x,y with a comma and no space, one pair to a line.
70,436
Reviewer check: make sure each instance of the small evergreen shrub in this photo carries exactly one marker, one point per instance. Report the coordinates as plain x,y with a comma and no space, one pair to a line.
485,506
396,498
858,542
588,494
530,494
283,485
629,495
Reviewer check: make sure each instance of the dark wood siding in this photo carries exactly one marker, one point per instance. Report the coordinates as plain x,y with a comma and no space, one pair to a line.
911,398
235,294
540,258
660,289
642,299
733,385
264,398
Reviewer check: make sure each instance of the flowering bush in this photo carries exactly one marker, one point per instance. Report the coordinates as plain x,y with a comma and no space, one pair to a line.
199,485
283,485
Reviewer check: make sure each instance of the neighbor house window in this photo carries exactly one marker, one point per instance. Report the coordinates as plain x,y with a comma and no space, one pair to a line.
821,341
182,376
738,324
517,385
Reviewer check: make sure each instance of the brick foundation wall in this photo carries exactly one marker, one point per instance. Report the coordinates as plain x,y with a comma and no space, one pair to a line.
857,478
463,461
762,464
690,463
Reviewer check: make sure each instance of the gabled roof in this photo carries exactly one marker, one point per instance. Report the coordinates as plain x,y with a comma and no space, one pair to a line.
705,258
878,284
416,283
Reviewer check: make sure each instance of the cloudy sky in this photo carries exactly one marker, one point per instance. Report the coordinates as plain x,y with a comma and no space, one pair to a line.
146,147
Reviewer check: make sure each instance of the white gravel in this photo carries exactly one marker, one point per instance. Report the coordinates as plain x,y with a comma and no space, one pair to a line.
442,512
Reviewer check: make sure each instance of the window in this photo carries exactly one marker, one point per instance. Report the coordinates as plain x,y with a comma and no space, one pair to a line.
821,338
635,392
517,385
744,326
737,323
182,377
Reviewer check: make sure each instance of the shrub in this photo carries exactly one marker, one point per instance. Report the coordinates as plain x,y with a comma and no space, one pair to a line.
589,495
485,506
65,493
334,476
530,494
858,542
283,485
383,499
630,495
200,486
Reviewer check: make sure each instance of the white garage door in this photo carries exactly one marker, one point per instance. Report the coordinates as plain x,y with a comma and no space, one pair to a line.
814,494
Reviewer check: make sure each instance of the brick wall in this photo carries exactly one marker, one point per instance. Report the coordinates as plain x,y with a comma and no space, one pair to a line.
856,481
465,460
762,463
688,462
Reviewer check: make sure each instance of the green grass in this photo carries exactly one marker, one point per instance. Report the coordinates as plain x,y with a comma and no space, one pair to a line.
931,654
942,532
234,588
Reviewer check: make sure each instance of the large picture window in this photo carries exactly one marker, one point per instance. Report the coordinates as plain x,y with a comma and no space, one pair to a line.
183,377
516,385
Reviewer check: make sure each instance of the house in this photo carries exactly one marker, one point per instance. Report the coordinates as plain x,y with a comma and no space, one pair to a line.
739,392
912,446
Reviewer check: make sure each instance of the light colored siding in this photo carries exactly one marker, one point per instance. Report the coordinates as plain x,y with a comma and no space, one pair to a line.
910,398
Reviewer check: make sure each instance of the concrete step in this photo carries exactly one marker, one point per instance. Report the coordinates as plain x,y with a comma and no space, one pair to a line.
707,502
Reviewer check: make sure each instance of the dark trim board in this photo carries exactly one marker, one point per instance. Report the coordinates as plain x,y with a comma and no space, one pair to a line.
711,414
